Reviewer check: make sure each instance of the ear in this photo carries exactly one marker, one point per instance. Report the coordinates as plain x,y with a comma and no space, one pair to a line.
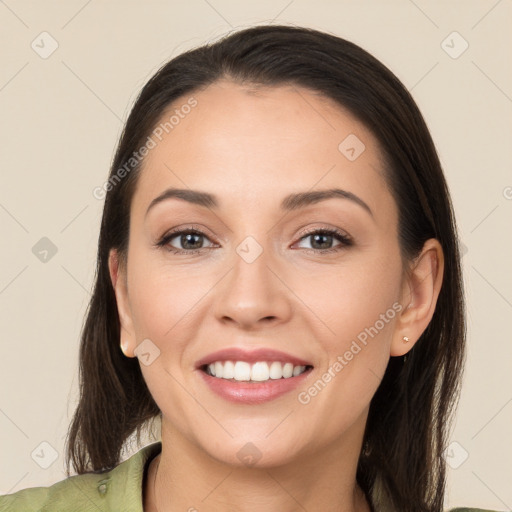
119,282
420,291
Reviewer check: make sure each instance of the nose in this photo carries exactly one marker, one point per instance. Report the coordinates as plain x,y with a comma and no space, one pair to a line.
253,294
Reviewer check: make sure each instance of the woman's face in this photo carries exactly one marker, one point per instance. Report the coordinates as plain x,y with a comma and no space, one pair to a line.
257,277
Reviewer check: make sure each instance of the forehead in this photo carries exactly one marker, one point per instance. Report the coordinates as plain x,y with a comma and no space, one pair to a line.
253,145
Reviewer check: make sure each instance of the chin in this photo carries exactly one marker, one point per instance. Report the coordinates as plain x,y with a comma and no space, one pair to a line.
257,452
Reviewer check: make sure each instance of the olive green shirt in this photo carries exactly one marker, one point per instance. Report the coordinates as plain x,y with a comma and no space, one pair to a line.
117,490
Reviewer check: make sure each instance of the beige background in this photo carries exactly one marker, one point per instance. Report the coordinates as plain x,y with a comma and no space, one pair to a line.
60,120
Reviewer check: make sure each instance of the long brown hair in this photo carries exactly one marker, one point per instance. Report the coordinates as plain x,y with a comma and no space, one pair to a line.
402,458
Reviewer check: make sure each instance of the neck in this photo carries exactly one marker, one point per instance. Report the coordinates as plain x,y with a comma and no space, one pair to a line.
185,478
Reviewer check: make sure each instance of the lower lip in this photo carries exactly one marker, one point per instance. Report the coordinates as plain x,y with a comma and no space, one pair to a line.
244,392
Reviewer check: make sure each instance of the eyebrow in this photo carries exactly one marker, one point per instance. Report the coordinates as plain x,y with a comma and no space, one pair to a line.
291,202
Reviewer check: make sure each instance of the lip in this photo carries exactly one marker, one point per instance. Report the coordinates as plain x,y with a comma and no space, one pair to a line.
243,392
251,356
252,393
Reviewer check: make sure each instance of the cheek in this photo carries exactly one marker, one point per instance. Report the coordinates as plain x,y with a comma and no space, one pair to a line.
164,303
356,299
164,300
360,308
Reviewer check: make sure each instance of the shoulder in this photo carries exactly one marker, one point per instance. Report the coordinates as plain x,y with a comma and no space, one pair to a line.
78,490
117,489
464,509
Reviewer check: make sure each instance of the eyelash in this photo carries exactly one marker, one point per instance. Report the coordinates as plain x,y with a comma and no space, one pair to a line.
345,240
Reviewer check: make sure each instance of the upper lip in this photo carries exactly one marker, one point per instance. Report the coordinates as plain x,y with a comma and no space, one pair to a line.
251,356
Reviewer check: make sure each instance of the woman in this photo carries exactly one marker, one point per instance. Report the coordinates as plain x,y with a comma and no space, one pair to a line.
278,261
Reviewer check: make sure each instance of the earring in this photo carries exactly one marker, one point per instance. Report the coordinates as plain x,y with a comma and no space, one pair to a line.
123,346
405,339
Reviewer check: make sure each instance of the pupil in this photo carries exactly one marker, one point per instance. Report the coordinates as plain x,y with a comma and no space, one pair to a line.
315,237
186,238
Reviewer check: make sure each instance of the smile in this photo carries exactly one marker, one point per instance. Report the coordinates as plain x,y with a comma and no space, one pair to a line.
253,376
259,371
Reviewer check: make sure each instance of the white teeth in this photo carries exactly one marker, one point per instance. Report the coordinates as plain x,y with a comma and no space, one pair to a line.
287,370
276,370
257,372
228,370
218,369
242,370
260,372
297,370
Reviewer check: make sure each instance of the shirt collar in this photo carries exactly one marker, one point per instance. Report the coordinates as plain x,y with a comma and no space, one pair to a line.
122,487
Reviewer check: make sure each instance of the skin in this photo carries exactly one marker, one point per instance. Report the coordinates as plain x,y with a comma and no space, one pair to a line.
251,147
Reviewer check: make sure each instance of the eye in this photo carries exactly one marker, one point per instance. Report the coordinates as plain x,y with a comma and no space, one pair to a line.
191,241
322,240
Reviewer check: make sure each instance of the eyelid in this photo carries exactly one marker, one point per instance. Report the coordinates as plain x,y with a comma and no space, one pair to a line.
186,228
315,229
344,239
164,241
342,236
